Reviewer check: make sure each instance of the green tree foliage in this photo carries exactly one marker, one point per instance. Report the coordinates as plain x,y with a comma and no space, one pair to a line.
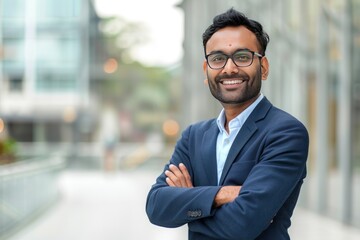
7,150
146,92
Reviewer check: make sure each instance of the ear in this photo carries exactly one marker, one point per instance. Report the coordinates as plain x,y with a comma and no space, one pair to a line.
264,68
204,67
206,81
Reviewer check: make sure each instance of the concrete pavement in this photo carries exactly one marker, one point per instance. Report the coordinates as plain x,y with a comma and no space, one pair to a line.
95,206
98,206
307,225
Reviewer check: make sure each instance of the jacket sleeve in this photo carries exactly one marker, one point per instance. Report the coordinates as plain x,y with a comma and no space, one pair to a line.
172,206
281,169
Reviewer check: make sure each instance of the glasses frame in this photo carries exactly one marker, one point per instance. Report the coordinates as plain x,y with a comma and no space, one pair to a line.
232,58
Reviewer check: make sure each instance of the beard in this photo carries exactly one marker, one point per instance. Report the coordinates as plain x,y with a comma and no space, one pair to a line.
248,90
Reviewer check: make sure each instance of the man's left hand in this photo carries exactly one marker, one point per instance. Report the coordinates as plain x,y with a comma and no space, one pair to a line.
178,176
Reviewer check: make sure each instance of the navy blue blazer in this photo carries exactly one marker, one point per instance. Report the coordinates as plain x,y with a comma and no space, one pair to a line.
267,158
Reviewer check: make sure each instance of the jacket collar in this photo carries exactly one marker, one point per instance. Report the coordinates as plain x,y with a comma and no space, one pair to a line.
245,133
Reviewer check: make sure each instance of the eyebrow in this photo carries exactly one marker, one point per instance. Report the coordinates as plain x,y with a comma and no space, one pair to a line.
218,51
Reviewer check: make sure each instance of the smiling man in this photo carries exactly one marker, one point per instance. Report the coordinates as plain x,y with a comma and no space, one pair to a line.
237,176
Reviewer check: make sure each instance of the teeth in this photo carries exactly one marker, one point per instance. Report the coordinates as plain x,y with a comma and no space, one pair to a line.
229,82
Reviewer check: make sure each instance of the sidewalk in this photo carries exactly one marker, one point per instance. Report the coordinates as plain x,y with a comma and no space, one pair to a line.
100,206
308,225
97,206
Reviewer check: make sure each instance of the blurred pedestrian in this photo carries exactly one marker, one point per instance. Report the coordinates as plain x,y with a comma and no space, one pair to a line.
237,176
109,136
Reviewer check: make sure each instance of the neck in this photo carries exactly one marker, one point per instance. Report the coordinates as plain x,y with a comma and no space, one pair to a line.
233,110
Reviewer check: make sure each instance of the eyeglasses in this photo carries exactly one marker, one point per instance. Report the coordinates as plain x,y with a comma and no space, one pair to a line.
241,58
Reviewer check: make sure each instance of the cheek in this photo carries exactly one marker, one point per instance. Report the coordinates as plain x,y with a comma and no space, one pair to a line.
255,73
211,74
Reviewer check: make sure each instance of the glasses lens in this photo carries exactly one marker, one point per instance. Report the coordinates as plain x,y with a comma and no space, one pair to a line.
217,60
242,58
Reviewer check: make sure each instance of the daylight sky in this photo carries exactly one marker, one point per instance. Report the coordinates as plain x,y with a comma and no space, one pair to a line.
162,19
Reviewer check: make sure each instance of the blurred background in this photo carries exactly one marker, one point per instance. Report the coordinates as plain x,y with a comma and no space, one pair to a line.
94,94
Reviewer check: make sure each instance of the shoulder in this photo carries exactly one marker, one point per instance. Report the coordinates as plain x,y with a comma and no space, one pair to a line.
281,117
195,132
273,120
267,112
284,127
202,125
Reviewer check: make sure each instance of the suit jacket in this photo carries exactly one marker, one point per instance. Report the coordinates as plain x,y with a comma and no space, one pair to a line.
267,158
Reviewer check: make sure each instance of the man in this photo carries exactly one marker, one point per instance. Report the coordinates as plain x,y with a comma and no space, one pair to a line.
237,176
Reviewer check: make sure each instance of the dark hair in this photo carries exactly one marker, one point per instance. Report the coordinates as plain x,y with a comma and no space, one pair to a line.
233,18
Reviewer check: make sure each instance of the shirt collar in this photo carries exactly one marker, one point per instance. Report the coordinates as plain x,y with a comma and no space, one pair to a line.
240,119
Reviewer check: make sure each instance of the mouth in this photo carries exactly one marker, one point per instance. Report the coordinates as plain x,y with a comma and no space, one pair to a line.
232,82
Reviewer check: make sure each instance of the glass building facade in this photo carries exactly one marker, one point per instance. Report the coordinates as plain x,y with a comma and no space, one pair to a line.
46,34
45,59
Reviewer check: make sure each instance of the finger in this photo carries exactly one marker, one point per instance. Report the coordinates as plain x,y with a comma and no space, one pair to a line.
186,174
170,176
169,182
180,178
174,179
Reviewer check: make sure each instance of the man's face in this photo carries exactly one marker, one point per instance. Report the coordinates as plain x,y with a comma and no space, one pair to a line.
233,84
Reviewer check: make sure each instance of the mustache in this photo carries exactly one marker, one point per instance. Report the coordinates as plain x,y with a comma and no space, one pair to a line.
243,77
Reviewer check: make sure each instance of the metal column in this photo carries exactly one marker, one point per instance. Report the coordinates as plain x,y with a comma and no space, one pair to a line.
344,135
322,122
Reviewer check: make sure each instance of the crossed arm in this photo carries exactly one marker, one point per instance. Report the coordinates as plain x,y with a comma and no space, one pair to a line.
270,190
180,177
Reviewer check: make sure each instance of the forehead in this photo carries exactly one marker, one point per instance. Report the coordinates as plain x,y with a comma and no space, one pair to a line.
229,39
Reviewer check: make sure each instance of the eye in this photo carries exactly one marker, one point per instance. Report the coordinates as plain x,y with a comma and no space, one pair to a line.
242,57
217,58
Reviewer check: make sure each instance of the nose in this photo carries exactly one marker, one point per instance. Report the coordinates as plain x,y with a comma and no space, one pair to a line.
230,67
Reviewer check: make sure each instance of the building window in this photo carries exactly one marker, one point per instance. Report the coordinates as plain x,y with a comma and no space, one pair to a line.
12,9
55,10
21,131
56,79
15,84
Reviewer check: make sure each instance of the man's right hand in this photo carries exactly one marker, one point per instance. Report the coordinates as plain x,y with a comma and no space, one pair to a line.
178,176
226,194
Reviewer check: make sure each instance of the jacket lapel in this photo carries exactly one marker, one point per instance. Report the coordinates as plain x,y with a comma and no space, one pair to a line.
208,153
245,133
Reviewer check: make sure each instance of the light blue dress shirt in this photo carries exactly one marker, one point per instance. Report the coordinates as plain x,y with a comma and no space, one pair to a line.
225,139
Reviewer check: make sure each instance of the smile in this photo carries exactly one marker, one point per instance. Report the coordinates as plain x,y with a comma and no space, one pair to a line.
231,82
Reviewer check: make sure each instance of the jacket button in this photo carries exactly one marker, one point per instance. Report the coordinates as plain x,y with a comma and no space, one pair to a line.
194,214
